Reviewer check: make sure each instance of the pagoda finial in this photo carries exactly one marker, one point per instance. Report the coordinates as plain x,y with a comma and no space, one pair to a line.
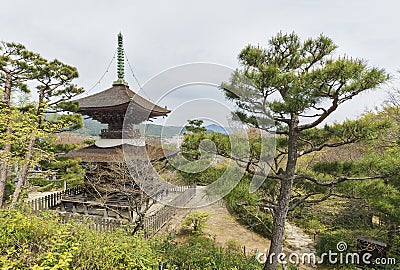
120,63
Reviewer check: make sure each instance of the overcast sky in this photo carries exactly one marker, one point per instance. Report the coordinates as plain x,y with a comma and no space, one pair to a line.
162,34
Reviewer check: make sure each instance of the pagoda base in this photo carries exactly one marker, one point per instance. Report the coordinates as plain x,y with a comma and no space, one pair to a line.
104,143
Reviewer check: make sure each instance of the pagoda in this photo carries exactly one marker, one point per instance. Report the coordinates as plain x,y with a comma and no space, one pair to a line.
100,160
110,107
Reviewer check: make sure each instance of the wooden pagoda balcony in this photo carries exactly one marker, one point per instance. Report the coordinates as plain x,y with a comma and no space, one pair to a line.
117,134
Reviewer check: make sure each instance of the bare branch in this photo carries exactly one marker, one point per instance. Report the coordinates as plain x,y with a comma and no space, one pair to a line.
306,200
331,109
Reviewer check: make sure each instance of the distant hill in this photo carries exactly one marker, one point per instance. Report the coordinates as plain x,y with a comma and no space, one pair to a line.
170,131
216,128
167,131
93,128
90,128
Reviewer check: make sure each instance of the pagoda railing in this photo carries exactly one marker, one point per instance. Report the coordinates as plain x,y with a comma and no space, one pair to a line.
117,134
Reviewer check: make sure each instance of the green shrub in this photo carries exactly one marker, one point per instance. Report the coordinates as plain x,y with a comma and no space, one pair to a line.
233,246
201,253
195,222
41,242
67,169
89,141
38,181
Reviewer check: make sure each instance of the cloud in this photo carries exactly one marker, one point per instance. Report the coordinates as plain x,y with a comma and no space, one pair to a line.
162,34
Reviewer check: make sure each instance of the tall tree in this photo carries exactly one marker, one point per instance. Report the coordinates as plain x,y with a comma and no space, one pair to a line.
195,126
298,84
55,89
16,67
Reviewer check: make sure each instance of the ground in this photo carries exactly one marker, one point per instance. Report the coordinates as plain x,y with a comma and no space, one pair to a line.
224,228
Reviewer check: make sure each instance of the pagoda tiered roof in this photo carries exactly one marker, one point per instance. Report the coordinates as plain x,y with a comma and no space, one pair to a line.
113,103
118,95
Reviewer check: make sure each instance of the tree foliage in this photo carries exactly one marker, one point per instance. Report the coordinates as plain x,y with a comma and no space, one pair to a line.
195,222
195,126
31,241
298,84
21,71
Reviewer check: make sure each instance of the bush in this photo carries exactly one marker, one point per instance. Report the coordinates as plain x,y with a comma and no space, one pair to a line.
329,242
46,187
201,253
38,181
195,222
89,141
41,242
68,169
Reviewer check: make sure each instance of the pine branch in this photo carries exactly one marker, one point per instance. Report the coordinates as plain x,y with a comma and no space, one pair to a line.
337,181
325,145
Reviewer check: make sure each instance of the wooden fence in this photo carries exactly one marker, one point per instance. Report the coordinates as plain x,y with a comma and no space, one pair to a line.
179,188
52,200
153,223
97,223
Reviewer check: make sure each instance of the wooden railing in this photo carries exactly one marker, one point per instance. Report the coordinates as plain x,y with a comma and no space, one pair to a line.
52,200
153,223
97,223
179,188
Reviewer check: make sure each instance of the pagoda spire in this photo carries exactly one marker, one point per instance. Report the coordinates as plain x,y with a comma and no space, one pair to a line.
120,62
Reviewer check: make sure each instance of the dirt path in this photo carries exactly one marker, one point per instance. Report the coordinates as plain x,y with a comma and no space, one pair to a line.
224,228
297,240
221,225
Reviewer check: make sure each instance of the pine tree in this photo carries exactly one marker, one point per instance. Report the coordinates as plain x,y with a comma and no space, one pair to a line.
298,84
16,68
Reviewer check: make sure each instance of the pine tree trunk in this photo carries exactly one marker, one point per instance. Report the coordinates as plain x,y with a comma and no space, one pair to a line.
278,230
7,148
22,175
3,168
281,211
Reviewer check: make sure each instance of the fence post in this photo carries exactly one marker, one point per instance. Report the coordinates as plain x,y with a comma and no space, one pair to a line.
85,209
62,207
41,203
48,201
